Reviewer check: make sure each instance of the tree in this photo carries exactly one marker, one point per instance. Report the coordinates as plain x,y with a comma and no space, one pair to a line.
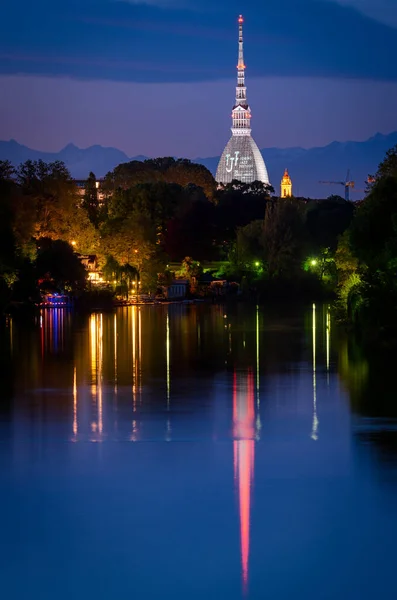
169,170
374,230
283,237
388,166
57,263
90,200
326,220
7,171
249,246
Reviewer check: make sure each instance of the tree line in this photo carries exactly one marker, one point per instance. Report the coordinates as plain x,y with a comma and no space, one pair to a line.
159,211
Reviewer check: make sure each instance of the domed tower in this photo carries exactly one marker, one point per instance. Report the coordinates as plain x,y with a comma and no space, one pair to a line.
241,159
286,185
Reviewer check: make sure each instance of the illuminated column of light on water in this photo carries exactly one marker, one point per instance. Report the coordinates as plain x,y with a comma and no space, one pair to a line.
328,336
258,401
314,433
167,351
93,347
75,424
96,344
115,353
140,354
244,457
133,358
100,375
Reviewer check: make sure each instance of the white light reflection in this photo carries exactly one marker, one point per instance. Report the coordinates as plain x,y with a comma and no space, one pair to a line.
314,433
115,354
258,402
167,349
328,338
75,425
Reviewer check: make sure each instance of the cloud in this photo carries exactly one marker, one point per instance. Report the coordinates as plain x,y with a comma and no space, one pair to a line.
178,119
124,41
384,11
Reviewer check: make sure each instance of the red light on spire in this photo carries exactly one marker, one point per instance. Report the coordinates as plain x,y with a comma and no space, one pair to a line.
240,19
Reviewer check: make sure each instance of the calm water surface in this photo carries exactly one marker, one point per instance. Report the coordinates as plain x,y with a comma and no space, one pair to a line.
191,452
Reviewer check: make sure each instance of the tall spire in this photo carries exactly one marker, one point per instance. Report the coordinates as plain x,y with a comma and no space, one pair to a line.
241,111
241,159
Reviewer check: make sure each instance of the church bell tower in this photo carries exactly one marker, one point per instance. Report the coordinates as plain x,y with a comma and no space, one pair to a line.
286,185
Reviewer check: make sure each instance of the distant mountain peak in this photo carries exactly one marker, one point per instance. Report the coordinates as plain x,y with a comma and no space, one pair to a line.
306,166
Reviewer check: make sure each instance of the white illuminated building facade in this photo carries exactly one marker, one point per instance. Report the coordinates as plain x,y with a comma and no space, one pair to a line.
241,159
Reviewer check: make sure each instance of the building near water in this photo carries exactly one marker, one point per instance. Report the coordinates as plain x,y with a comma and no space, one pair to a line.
241,159
286,185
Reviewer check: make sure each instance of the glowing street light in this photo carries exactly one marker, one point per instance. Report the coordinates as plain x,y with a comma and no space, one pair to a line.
313,262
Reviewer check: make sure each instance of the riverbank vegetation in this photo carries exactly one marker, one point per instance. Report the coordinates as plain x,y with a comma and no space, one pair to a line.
158,219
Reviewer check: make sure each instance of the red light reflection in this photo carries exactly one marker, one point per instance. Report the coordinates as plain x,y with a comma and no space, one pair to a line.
244,455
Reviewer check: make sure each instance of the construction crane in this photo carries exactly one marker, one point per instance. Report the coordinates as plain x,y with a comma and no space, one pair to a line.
347,184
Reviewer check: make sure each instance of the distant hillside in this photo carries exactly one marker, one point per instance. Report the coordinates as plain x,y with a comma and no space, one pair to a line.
328,163
306,167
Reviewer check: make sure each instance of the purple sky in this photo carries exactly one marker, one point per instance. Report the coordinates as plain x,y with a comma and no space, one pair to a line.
159,79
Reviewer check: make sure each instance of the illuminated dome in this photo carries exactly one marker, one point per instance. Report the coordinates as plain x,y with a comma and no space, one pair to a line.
241,159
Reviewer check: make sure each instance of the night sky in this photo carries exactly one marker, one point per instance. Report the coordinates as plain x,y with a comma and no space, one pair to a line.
158,78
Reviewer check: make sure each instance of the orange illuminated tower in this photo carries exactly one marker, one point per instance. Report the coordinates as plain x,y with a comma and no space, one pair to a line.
286,185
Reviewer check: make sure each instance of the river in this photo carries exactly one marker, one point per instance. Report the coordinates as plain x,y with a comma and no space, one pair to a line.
195,451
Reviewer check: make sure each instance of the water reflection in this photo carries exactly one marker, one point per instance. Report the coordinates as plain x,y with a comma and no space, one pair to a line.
315,422
240,393
244,457
96,345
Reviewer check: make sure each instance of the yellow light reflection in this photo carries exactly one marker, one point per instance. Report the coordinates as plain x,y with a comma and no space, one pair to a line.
96,345
93,345
315,423
100,376
140,354
115,353
134,358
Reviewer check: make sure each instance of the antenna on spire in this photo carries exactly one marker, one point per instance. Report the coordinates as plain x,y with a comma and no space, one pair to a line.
240,64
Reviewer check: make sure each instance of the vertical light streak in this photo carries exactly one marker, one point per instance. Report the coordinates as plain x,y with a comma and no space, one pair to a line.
93,347
258,401
11,335
257,356
140,354
75,424
100,375
328,335
133,359
41,334
244,457
167,350
115,353
314,433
